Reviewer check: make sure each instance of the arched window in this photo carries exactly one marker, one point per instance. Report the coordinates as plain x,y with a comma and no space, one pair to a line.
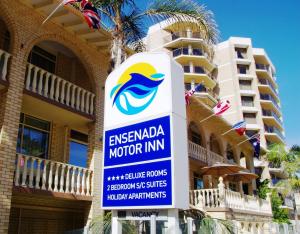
214,144
230,154
4,37
195,135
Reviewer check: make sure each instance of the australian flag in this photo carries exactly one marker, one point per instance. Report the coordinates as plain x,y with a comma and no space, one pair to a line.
255,141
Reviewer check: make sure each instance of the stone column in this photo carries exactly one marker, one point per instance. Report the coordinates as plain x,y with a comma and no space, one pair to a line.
11,115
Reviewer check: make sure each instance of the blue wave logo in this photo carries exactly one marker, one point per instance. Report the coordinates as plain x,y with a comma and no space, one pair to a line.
137,93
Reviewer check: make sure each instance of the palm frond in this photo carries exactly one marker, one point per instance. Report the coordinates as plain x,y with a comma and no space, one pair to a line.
179,11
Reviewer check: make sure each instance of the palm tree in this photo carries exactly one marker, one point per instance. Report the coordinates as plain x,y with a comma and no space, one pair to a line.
127,23
276,154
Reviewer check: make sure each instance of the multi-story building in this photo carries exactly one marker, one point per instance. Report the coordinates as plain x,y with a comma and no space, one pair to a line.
246,77
207,143
185,44
51,113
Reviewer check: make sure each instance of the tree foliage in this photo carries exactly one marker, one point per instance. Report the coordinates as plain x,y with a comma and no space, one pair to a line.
279,215
128,24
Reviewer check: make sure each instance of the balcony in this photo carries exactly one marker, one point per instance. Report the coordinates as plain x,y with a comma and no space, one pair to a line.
268,101
53,177
198,74
58,91
4,58
174,40
265,71
186,55
278,171
221,198
273,134
266,86
199,153
271,118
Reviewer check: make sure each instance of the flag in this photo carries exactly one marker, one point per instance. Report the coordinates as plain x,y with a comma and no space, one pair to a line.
221,107
255,141
240,127
89,12
191,92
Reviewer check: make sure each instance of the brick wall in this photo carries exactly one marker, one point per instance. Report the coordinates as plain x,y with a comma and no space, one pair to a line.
24,26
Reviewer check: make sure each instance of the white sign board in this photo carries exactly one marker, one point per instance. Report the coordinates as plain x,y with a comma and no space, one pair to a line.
145,140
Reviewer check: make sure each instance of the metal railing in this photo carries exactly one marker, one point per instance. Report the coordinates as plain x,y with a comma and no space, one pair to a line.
266,82
268,97
271,114
271,129
187,51
57,89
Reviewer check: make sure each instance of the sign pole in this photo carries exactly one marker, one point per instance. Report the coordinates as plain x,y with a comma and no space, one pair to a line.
116,225
153,224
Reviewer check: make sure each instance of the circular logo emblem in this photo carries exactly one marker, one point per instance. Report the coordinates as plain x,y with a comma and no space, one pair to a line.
136,88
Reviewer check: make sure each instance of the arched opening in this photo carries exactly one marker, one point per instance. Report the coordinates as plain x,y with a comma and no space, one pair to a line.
194,134
230,154
214,145
59,60
5,37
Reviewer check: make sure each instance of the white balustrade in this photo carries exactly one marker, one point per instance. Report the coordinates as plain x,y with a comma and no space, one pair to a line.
4,57
204,199
57,89
54,176
200,153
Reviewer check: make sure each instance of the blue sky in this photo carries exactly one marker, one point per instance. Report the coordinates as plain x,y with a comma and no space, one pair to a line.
275,26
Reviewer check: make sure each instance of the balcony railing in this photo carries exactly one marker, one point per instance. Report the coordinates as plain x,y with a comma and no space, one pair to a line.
205,199
271,114
268,97
206,156
38,173
262,67
271,129
4,57
266,82
182,34
187,51
59,90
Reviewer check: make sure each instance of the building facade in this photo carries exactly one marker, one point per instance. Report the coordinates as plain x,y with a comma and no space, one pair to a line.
246,77
207,142
51,114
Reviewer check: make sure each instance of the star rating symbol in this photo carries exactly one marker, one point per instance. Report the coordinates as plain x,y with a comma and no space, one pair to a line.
117,177
113,178
108,178
122,177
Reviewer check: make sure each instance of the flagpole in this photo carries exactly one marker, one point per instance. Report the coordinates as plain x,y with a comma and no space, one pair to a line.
52,13
207,118
247,139
223,134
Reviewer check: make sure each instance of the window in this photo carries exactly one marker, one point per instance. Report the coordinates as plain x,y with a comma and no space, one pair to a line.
230,154
78,149
198,182
196,138
233,186
247,101
241,53
250,118
245,84
242,69
251,133
33,137
43,59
